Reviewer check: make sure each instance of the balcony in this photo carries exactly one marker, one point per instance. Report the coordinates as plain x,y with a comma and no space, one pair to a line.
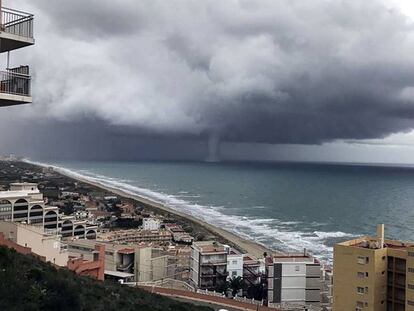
16,30
15,86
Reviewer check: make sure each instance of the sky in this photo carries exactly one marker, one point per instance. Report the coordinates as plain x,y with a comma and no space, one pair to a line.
315,80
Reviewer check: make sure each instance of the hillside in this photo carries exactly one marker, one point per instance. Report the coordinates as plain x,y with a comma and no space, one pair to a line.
29,284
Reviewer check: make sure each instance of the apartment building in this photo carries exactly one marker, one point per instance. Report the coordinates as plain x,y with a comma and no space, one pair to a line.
16,31
326,288
70,226
234,263
251,270
371,273
142,262
47,245
136,236
24,203
208,264
293,278
151,223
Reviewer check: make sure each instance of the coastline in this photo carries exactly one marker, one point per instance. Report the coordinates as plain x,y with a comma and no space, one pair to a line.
242,244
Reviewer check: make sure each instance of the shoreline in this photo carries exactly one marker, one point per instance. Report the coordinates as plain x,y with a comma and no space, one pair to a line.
242,244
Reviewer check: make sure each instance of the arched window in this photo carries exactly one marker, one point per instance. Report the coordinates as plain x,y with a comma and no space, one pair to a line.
67,228
36,214
79,230
91,235
51,220
20,209
5,209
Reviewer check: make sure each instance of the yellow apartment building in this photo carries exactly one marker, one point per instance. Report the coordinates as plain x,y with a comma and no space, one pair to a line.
373,274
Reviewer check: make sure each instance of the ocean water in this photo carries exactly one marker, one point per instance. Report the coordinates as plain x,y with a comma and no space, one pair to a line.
285,206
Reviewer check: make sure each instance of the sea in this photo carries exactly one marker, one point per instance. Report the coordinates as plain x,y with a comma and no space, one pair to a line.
284,206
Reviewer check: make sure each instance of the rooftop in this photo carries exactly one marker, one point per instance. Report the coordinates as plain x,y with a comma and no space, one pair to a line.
209,247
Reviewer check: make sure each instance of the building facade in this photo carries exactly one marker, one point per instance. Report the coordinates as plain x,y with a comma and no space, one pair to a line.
208,265
43,244
151,223
371,273
24,203
293,278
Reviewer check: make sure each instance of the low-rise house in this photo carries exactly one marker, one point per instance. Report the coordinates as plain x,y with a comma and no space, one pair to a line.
94,268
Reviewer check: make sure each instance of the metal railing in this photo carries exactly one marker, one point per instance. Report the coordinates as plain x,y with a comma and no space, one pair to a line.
17,22
16,83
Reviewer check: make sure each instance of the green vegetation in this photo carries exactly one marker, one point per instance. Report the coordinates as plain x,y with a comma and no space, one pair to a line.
26,283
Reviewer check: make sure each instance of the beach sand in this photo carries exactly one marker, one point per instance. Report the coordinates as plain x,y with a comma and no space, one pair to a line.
242,244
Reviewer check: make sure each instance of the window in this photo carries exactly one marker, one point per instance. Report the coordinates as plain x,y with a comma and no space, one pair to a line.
411,254
361,275
366,274
234,273
366,290
411,270
297,268
363,260
234,262
410,286
410,302
360,290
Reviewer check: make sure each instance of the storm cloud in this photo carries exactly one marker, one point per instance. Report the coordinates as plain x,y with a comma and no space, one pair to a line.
268,71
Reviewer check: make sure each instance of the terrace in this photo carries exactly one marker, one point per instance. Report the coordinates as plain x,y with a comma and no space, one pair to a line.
16,29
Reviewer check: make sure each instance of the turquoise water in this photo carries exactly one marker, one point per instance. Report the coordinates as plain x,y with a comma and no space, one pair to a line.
285,206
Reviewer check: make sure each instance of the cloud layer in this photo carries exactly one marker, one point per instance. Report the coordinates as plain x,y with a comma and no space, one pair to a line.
247,71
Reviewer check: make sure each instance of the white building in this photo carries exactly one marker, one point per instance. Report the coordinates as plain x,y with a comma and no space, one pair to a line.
293,279
151,223
41,243
24,204
234,263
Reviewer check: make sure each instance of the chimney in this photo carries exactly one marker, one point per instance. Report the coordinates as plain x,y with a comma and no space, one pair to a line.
380,235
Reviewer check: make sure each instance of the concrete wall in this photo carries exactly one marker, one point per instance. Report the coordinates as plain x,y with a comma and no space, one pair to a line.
33,237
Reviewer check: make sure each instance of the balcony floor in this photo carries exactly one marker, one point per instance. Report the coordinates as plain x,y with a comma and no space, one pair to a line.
9,42
13,100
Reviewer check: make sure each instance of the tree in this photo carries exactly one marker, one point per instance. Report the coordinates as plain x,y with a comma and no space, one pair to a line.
236,284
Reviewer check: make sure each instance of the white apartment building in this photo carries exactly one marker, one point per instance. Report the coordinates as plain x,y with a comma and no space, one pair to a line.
151,223
24,203
41,243
234,263
293,279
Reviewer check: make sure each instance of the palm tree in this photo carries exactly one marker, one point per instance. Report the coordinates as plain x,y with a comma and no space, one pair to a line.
236,284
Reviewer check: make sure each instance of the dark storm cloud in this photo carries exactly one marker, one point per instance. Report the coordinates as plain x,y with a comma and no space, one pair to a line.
248,71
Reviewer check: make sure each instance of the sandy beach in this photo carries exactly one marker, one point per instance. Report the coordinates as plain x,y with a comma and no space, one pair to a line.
242,244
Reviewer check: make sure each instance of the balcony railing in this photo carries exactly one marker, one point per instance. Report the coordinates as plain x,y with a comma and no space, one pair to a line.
17,22
14,83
